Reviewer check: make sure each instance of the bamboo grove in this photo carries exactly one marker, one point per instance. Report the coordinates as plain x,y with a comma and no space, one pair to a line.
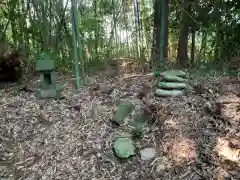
189,31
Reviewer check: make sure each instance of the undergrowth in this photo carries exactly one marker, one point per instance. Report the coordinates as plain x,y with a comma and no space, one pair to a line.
212,70
207,70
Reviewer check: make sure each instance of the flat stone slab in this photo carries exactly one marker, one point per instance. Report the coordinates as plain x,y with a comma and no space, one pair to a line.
148,153
124,147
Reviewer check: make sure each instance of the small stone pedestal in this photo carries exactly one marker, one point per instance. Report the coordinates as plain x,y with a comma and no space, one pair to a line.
48,87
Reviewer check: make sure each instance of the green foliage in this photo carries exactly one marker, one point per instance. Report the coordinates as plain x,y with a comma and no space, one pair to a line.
211,71
110,28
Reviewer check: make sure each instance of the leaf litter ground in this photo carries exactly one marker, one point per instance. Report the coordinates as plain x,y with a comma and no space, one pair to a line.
195,137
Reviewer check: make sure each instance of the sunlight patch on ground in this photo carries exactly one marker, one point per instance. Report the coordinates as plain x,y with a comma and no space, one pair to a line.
181,151
226,152
184,150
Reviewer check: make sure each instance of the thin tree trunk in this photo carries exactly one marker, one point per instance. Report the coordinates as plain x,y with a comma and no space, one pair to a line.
193,47
137,25
96,33
218,40
217,52
202,52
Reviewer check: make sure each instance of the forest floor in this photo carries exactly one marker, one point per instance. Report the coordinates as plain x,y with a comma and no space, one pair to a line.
195,136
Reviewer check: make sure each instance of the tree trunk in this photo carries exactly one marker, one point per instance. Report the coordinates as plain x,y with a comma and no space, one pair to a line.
137,25
203,45
156,33
193,46
218,31
166,12
218,40
96,33
182,57
160,36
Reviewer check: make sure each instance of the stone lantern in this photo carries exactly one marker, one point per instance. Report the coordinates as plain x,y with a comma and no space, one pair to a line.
48,87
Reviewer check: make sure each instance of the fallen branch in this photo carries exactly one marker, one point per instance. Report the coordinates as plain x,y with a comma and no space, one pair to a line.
137,75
